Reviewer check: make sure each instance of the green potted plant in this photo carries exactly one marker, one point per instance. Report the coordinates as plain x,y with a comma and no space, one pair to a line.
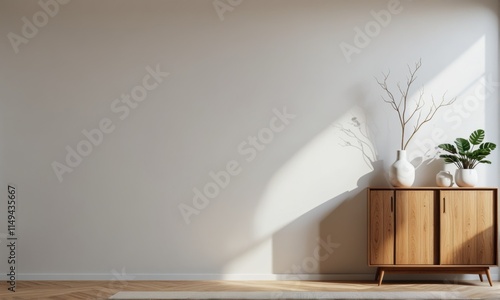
466,156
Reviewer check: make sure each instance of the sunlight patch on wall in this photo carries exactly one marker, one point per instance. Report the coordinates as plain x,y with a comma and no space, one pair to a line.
465,79
472,86
459,74
329,165
261,252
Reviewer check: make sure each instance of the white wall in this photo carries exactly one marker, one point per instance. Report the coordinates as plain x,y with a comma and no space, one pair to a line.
118,209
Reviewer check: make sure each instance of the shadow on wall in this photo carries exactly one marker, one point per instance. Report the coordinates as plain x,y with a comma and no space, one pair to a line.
336,229
342,244
339,223
347,225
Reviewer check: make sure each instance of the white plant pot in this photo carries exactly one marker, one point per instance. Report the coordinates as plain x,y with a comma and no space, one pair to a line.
402,172
466,177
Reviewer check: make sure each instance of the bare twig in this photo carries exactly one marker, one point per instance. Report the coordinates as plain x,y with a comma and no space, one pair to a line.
405,113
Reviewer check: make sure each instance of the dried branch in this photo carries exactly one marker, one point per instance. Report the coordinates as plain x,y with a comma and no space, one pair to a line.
406,114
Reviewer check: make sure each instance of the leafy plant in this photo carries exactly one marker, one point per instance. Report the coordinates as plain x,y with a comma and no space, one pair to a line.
464,156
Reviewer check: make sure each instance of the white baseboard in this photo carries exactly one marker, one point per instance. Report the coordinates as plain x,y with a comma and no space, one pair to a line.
173,277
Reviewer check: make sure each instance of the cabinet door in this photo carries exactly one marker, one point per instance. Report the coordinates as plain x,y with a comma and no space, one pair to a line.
381,227
415,235
468,227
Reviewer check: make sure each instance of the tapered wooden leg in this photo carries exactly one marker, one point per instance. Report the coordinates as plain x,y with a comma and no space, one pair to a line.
489,276
381,277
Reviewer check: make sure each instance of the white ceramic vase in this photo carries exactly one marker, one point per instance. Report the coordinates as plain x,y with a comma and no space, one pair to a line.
444,179
402,172
466,177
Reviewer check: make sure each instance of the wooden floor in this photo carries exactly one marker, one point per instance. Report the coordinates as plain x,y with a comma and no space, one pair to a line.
68,290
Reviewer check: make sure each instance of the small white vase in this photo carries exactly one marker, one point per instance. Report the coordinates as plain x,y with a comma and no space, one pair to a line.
466,177
444,179
402,172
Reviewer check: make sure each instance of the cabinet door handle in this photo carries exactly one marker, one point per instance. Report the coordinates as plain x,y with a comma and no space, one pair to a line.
392,204
444,205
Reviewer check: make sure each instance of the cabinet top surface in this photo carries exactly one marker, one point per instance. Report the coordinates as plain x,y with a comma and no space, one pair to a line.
430,188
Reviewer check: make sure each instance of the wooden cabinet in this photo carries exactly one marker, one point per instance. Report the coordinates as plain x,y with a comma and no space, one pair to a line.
413,242
432,229
468,228
415,227
381,229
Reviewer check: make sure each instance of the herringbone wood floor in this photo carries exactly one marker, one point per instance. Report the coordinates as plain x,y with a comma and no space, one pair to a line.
67,290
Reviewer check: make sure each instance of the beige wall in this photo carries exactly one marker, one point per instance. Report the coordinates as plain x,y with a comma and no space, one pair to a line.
254,109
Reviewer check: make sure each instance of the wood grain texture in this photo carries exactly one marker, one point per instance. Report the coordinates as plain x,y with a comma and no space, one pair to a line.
381,227
415,227
98,290
468,227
